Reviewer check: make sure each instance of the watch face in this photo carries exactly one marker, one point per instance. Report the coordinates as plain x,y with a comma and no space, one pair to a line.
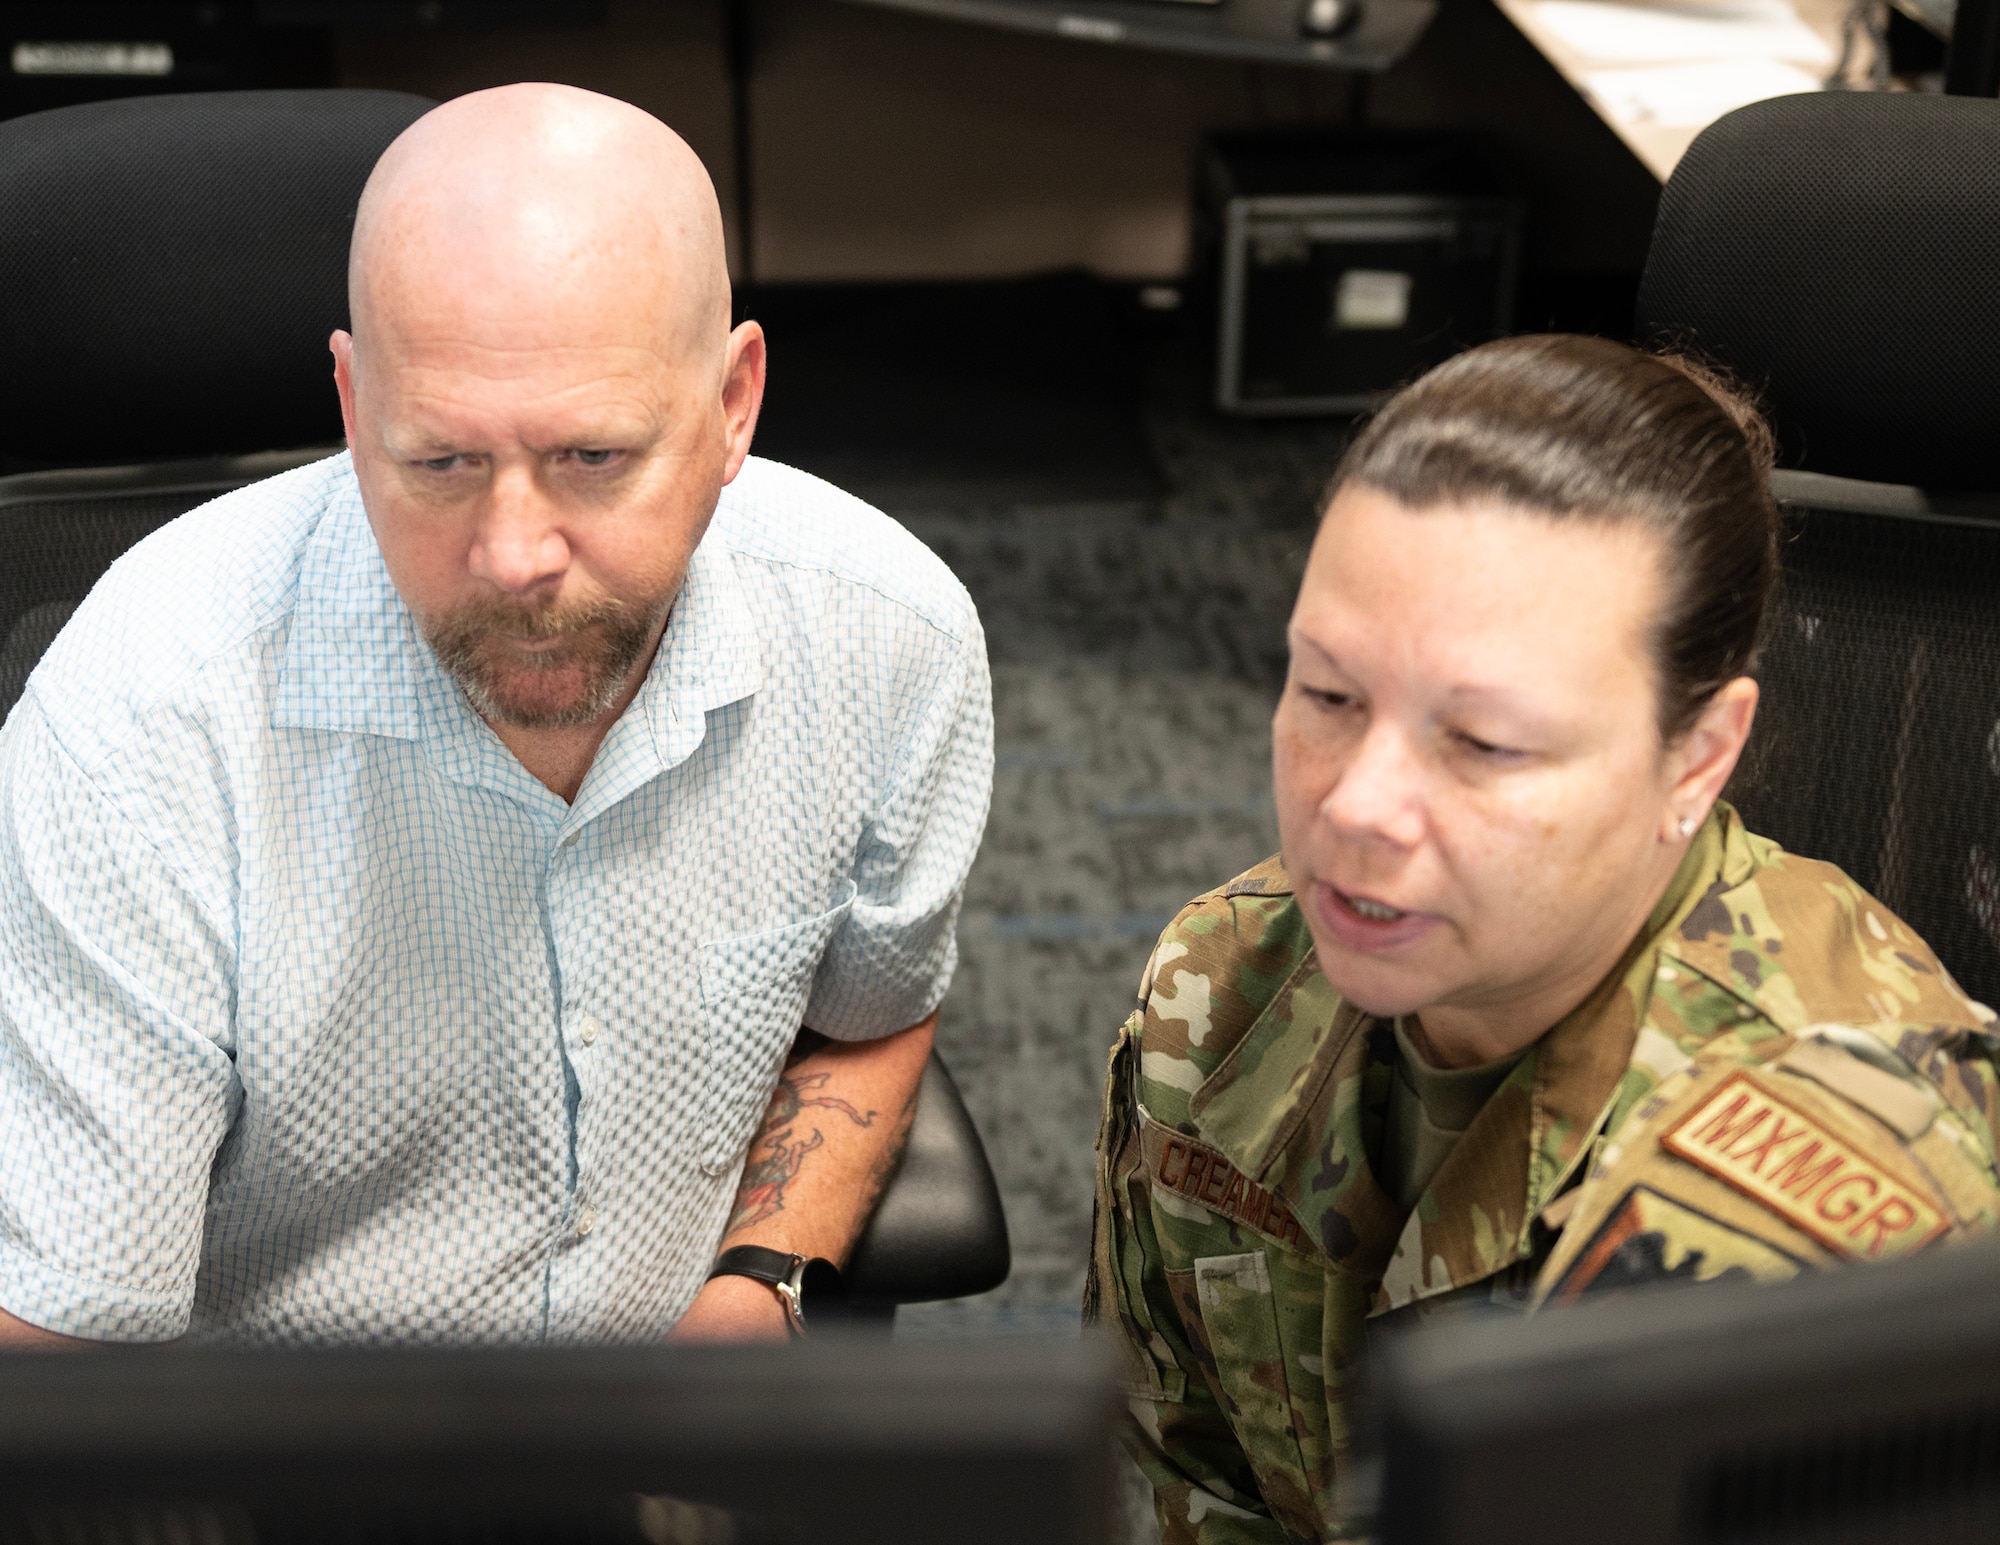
822,1294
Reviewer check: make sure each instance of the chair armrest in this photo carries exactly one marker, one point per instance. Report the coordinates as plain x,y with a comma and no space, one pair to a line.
939,1231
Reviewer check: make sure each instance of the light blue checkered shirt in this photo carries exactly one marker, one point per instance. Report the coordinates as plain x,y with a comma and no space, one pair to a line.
322,1020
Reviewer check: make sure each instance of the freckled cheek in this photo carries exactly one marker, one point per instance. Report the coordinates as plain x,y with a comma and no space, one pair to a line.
1502,851
1303,773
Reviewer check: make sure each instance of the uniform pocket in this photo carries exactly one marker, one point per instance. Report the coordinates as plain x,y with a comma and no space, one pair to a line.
754,989
1241,1317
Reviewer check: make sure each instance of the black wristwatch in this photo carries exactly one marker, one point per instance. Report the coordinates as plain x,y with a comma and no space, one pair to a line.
808,1288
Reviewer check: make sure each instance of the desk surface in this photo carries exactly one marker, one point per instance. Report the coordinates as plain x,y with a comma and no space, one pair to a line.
1618,84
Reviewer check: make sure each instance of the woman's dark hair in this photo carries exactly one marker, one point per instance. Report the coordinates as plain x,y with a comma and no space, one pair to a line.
1586,429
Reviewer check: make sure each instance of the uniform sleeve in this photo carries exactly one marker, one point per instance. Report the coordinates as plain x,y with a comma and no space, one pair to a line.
1842,1146
116,1087
891,961
1204,1489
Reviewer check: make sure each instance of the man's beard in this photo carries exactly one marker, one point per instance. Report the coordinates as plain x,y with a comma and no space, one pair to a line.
560,688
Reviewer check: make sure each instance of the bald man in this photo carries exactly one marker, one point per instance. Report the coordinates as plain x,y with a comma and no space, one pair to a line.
464,889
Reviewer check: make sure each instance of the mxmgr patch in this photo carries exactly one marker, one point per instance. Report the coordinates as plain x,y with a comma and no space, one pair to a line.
1782,1159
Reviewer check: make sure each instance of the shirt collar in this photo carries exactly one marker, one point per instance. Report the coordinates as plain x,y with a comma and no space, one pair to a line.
353,660
710,656
356,662
1305,1131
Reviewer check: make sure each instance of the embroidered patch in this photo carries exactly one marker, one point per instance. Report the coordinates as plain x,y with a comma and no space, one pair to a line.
1783,1160
1649,1238
1179,1164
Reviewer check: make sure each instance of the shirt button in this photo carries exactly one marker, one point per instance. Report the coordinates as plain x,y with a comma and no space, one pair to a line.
585,1222
587,1030
569,839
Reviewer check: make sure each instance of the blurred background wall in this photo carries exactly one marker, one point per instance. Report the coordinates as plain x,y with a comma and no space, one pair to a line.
889,146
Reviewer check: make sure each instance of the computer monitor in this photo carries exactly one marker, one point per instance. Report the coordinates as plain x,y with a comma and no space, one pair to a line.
831,1442
1860,1405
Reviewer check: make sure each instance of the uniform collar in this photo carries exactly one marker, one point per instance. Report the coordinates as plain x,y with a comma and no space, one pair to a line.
1798,943
1289,1106
355,662
1296,1105
1730,937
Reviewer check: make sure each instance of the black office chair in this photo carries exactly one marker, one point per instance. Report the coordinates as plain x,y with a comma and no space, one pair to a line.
170,268
939,1231
1840,253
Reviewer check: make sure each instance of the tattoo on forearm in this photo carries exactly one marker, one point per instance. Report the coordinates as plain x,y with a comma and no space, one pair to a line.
891,1156
779,1152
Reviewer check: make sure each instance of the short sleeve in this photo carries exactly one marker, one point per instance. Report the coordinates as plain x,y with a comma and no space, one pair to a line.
890,963
116,1085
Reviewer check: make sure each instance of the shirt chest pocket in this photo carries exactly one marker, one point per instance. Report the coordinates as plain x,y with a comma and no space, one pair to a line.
754,989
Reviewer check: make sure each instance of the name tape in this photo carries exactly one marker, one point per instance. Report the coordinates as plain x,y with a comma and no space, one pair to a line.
1781,1158
1179,1164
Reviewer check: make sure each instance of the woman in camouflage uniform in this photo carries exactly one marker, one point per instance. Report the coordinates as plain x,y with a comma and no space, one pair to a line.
1522,1012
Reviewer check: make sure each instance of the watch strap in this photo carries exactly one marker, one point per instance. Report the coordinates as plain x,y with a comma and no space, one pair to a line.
805,1285
772,1266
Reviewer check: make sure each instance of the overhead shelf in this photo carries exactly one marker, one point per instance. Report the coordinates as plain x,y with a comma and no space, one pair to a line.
1268,31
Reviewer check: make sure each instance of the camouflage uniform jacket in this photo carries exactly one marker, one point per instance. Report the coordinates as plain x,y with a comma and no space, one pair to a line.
1779,1075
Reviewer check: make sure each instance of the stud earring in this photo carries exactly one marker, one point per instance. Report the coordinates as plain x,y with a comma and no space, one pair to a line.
1687,826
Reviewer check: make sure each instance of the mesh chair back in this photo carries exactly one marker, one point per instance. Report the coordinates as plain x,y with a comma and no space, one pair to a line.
1841,254
1877,745
59,532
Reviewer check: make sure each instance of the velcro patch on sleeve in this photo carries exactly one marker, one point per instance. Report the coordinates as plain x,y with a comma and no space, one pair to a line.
1650,1238
1786,1161
1180,1164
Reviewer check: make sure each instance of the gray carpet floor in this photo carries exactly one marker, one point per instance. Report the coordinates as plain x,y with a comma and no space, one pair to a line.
1134,591
1137,651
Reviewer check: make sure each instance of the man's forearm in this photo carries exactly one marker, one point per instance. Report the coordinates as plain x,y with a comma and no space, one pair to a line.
830,1141
20,1336
831,1138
